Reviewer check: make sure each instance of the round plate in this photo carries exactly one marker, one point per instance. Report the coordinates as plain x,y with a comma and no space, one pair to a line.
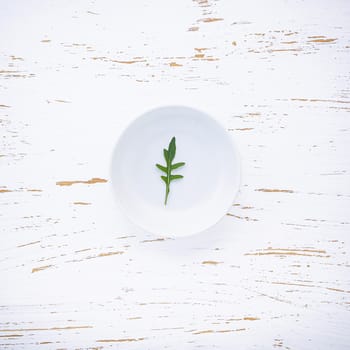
211,173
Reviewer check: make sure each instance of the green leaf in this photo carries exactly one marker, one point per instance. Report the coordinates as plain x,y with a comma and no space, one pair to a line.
177,165
174,177
166,157
162,168
169,155
172,149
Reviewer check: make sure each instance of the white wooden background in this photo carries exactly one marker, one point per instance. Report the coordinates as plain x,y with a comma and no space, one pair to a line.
274,273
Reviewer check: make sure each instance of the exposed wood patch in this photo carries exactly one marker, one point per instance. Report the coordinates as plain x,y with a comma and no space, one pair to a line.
283,50
247,318
11,336
15,58
208,331
174,64
123,340
62,101
246,218
318,100
209,20
338,290
321,40
153,240
203,332
25,245
128,62
211,262
106,59
290,251
82,250
241,129
94,180
41,268
273,190
124,237
109,254
201,49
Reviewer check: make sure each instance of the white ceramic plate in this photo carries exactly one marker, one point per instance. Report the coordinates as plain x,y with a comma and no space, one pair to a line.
211,174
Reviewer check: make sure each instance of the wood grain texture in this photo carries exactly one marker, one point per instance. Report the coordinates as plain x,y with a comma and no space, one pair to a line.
273,273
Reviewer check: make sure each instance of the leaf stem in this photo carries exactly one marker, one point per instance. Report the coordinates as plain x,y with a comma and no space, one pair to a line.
166,194
167,190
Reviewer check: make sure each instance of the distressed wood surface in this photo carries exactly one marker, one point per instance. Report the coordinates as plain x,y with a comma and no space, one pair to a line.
273,273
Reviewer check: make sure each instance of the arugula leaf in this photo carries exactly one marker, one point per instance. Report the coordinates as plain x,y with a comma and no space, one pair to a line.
177,165
172,149
169,155
165,153
162,168
174,177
